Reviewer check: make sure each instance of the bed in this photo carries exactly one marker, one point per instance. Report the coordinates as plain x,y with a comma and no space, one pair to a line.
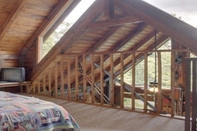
22,113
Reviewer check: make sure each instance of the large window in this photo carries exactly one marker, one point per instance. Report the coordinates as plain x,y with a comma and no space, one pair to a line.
65,25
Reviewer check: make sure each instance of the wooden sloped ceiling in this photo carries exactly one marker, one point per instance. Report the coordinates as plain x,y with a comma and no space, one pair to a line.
20,21
104,27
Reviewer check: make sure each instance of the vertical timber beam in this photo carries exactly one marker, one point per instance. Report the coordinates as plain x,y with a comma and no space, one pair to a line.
69,78
145,80
122,80
101,78
44,83
62,76
172,82
194,93
109,9
159,84
133,81
111,80
76,77
56,79
39,86
187,95
49,81
93,78
84,78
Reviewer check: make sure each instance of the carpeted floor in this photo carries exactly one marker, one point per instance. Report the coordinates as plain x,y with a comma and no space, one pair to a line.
95,118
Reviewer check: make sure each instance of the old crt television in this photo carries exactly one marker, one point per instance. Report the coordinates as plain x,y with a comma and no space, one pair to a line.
13,74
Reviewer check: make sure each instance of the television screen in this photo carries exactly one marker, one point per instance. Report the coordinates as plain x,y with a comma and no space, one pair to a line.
13,74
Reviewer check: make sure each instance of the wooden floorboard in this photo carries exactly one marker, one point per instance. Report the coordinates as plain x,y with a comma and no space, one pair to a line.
96,118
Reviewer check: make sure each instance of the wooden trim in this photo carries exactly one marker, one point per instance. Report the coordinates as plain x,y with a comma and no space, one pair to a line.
39,49
111,80
17,9
51,18
133,82
101,78
122,81
114,22
145,80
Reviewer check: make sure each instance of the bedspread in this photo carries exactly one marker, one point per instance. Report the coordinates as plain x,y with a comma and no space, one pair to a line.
22,113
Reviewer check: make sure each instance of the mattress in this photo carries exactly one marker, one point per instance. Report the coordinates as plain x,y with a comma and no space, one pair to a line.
22,113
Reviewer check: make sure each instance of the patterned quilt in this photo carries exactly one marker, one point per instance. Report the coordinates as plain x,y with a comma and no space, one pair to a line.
22,113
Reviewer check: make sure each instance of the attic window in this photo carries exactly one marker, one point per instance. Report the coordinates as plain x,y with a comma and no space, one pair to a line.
65,25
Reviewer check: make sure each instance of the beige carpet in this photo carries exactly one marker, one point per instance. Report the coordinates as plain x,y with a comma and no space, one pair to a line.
95,118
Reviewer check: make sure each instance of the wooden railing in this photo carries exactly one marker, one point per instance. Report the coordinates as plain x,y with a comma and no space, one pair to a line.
62,79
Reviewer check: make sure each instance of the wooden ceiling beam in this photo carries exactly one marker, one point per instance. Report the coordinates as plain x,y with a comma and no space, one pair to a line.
132,34
114,22
104,38
48,22
11,17
171,26
109,9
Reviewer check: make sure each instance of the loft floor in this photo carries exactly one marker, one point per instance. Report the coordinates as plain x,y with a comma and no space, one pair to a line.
96,118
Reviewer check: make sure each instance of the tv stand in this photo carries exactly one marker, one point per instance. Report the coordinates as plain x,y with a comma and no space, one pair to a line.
4,84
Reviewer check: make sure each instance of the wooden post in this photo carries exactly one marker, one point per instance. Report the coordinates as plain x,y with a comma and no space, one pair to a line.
133,81
49,81
122,80
145,80
44,83
101,78
76,78
159,93
34,89
62,76
68,78
56,79
84,78
172,82
187,94
111,80
92,77
39,86
194,93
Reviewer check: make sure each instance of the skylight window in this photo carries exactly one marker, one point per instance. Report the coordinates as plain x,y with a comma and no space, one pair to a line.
66,25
